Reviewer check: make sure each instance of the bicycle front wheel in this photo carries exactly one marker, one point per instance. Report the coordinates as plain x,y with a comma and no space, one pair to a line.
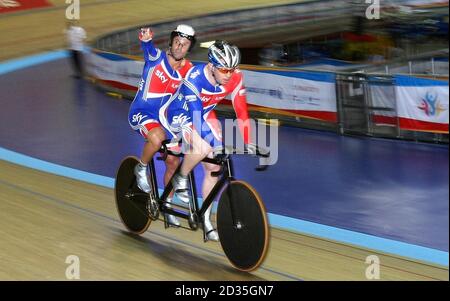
242,226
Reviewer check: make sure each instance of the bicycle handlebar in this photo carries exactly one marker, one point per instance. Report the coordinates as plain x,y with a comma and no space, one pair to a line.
219,157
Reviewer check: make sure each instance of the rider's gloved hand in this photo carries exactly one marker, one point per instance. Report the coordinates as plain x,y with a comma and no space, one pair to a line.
145,34
251,148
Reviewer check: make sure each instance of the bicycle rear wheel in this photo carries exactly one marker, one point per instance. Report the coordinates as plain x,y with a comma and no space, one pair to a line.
242,226
131,202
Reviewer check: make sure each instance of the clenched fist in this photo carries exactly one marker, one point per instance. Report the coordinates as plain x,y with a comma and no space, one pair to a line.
145,34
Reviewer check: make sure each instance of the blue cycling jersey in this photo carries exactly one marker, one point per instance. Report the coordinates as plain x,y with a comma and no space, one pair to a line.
194,107
158,85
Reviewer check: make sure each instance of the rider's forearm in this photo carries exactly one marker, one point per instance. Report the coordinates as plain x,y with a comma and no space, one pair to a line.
151,53
245,129
240,107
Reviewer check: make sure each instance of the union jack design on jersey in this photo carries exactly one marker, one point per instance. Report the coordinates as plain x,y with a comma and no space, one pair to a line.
158,86
198,97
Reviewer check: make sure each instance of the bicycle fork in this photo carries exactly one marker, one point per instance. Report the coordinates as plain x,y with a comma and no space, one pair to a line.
234,215
226,176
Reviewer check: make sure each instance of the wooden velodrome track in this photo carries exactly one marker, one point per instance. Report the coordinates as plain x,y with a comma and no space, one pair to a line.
45,218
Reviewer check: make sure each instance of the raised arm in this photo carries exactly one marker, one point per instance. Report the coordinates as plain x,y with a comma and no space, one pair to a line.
151,53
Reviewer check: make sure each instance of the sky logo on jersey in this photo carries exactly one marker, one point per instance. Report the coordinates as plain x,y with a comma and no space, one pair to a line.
161,76
195,74
137,118
430,104
205,99
179,119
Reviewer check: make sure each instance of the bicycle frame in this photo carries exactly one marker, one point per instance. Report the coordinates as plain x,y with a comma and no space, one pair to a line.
225,173
241,215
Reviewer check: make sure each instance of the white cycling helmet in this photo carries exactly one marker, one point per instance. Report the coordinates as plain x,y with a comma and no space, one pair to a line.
184,31
224,55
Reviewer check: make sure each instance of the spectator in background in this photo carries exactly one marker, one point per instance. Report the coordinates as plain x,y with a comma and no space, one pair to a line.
75,37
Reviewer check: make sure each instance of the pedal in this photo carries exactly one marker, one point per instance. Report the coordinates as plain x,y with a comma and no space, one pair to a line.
153,209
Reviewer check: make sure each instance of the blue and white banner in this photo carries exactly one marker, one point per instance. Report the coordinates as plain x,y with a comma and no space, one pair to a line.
305,94
115,70
422,104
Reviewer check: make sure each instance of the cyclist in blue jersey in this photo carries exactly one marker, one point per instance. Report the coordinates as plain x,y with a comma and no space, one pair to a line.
192,115
161,77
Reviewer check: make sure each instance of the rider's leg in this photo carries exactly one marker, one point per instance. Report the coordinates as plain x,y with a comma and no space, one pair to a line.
172,163
199,150
208,183
154,139
215,130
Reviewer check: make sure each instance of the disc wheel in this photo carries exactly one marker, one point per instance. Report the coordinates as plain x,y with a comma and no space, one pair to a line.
131,202
244,237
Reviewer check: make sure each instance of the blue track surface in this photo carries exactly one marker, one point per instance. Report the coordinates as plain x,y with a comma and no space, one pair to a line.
387,195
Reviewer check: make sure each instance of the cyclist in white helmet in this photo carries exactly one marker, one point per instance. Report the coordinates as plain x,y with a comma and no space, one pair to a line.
162,75
192,115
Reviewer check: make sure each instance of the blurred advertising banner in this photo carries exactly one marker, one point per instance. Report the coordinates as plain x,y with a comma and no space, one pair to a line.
426,3
382,96
7,6
114,70
303,94
422,104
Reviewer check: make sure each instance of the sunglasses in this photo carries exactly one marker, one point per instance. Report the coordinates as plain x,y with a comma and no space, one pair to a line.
226,70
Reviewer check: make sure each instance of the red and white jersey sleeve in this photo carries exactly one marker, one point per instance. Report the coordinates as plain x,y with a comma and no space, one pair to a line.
239,99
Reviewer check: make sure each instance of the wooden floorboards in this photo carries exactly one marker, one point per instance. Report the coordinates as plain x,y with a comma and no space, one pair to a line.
45,218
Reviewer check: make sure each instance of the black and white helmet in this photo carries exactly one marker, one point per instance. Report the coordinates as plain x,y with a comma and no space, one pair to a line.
184,31
224,55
